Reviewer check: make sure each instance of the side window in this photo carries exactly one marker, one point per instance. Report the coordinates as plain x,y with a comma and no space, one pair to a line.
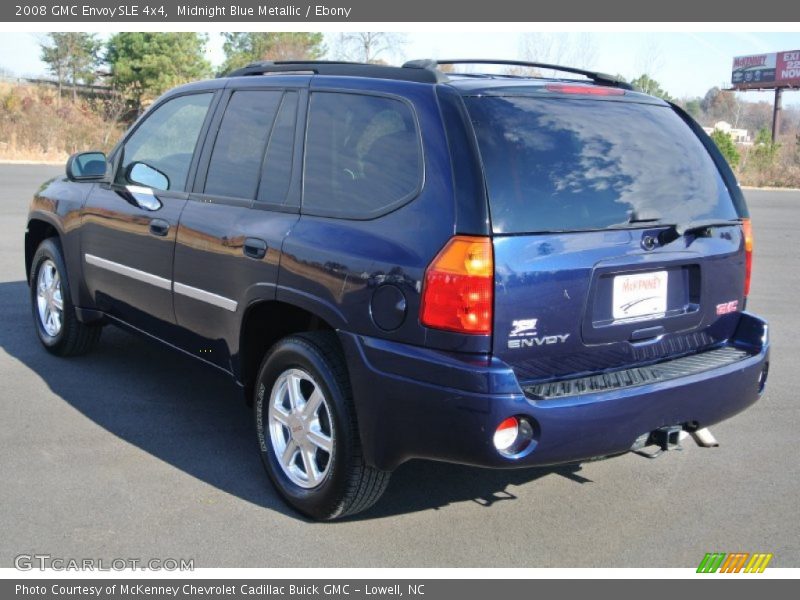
363,155
160,151
235,166
277,172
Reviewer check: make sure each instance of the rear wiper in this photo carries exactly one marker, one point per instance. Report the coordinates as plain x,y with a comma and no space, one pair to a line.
636,218
697,227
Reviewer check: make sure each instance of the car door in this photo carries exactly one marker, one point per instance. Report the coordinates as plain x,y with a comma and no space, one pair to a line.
245,201
129,225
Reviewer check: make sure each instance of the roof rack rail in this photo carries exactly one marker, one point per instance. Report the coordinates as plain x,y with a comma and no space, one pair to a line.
340,68
598,78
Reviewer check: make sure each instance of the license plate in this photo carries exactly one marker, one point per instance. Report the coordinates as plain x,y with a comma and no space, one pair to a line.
640,296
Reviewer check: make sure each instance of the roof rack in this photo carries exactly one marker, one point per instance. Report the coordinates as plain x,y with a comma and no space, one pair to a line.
421,71
347,69
598,78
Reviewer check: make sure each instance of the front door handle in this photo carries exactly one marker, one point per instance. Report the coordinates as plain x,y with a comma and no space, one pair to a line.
159,227
255,248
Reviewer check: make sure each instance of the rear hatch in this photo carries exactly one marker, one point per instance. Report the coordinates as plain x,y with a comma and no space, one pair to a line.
590,198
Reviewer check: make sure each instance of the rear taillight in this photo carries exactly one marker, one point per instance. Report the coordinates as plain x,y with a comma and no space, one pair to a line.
459,284
747,231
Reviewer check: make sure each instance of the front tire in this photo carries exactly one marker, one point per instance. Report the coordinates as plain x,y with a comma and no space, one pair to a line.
57,325
307,431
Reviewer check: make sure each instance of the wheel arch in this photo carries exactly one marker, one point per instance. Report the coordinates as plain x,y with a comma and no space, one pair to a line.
264,323
39,229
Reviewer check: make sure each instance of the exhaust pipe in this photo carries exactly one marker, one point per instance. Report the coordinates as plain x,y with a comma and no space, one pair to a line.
704,438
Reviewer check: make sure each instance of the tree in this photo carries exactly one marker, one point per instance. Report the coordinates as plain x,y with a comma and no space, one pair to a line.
764,150
648,85
724,142
719,105
54,56
368,46
567,49
756,115
692,106
149,63
650,57
83,59
72,57
246,47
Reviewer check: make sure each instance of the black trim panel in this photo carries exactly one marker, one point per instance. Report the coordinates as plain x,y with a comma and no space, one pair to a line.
626,378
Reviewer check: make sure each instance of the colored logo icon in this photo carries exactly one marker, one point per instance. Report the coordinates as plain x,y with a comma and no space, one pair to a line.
736,562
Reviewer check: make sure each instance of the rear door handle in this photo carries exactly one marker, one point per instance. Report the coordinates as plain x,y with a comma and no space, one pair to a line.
159,227
255,248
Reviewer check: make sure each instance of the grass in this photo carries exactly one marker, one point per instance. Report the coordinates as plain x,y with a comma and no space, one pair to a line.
777,168
37,125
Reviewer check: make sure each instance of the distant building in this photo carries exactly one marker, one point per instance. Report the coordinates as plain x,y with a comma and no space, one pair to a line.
739,136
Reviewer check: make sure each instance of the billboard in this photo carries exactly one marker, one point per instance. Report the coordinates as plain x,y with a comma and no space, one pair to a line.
771,70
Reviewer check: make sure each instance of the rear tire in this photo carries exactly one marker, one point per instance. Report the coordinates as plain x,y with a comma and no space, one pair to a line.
57,325
307,431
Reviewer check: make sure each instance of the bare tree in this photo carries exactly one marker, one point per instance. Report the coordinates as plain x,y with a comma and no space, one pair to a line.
569,49
650,59
115,107
367,46
543,48
585,51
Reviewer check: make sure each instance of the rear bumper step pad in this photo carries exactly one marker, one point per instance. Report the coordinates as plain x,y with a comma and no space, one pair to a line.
614,380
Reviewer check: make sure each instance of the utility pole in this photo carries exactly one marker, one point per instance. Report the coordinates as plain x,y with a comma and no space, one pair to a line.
776,114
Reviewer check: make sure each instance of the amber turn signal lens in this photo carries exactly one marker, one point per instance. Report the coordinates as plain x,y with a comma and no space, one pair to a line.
747,231
458,293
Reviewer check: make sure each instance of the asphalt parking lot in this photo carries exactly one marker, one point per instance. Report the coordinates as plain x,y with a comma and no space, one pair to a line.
136,451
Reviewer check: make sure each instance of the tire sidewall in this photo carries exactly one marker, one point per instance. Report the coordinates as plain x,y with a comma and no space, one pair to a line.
323,501
50,250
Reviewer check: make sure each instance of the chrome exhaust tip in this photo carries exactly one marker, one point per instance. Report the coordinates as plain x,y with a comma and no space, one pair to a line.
704,438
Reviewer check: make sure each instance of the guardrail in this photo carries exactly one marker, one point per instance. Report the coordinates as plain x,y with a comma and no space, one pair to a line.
81,88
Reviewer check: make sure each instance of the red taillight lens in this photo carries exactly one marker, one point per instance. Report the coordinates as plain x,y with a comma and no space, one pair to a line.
585,90
459,287
747,231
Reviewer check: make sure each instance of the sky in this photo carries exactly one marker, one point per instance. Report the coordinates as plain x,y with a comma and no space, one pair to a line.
685,64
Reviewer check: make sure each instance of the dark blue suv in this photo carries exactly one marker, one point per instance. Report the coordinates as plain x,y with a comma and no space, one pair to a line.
398,263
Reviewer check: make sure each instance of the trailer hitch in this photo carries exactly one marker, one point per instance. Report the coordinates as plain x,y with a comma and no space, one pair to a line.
666,438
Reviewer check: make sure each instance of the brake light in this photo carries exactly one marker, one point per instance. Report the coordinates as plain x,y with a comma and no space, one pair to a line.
586,90
458,292
747,231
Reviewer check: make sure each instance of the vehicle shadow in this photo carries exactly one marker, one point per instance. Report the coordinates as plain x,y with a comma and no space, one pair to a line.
193,418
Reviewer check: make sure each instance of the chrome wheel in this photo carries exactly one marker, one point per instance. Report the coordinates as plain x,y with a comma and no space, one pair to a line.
301,429
49,299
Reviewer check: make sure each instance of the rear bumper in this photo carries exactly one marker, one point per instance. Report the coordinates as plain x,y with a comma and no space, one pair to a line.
419,403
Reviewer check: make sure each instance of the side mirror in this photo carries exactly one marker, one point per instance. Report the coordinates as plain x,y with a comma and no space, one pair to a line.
86,166
142,174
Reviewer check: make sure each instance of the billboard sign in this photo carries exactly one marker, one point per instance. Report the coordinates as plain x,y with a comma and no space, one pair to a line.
771,70
787,71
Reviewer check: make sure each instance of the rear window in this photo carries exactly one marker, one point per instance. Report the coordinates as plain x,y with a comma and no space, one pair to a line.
569,164
363,155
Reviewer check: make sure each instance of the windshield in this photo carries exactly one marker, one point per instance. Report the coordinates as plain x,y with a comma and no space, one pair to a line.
555,164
